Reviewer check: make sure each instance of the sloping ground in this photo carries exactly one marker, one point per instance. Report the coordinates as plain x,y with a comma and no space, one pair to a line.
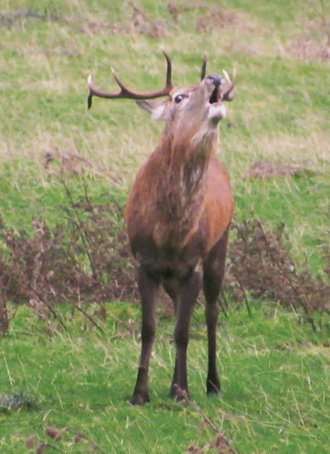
275,371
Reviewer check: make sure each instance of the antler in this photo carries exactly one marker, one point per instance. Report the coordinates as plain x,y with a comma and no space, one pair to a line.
228,94
127,93
203,71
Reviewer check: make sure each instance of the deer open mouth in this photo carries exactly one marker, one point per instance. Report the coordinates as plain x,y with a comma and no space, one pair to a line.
215,96
216,109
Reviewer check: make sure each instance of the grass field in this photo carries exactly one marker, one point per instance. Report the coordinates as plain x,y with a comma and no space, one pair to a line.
275,378
275,370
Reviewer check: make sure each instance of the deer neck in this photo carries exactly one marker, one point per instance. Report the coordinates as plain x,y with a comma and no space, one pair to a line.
184,179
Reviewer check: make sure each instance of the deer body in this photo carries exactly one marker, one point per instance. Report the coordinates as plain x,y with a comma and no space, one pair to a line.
178,214
173,205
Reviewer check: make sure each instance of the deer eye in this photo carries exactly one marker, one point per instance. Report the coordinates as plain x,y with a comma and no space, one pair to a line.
178,99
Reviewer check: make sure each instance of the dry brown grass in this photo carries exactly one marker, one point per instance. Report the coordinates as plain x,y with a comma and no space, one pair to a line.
138,22
313,147
306,48
262,169
227,19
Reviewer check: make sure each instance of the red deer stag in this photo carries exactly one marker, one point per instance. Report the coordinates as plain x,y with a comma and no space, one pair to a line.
178,214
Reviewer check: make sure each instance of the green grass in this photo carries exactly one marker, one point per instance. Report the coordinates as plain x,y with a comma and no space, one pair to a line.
281,109
275,380
275,371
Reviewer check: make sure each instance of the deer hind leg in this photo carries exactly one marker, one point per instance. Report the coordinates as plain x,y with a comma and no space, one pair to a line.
171,287
188,292
214,269
148,287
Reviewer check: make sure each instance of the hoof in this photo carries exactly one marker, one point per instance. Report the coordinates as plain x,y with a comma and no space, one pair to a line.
173,390
213,387
139,399
181,395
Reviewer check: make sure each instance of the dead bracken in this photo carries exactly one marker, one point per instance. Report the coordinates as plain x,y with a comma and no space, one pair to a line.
223,19
306,48
87,259
61,441
139,22
260,264
262,169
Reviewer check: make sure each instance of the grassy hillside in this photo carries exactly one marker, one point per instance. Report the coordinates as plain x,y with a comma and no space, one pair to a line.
281,112
275,143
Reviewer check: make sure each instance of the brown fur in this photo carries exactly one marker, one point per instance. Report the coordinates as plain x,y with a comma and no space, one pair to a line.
178,214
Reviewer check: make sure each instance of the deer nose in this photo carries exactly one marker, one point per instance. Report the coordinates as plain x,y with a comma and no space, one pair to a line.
216,79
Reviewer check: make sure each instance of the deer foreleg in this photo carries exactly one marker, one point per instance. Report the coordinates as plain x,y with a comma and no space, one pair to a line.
189,291
214,269
148,287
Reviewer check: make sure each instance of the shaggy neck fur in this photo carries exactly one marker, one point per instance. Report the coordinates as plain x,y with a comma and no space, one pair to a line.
182,183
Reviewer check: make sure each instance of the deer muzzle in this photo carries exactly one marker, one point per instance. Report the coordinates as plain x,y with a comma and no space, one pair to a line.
215,80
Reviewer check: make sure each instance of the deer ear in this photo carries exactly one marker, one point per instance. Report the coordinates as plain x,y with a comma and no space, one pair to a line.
157,109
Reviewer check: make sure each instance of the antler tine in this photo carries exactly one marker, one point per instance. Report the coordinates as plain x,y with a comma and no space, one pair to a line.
228,94
126,93
203,71
169,84
95,91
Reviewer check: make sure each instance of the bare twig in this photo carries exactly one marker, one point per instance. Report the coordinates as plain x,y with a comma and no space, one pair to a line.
243,291
4,322
83,234
49,307
221,305
89,317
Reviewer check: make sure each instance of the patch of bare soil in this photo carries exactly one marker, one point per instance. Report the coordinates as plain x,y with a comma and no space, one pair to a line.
262,169
223,19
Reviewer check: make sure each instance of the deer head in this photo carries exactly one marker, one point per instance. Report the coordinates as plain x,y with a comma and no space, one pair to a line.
193,107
